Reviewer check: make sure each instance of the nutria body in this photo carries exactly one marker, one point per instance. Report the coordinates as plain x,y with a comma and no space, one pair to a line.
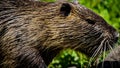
32,33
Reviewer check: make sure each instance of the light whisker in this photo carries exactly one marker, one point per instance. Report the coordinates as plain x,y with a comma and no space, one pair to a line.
111,48
98,50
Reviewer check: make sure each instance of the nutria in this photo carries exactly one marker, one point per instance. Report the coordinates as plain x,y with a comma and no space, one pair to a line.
32,33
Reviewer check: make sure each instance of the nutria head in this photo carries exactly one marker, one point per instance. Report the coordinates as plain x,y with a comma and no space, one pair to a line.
71,25
51,27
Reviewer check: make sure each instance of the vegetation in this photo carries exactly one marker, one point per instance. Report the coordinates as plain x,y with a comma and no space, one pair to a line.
69,58
109,10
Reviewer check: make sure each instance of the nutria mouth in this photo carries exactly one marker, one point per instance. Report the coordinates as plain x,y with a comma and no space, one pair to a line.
32,33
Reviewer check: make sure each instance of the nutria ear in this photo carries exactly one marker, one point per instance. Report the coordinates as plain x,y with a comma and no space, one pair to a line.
65,9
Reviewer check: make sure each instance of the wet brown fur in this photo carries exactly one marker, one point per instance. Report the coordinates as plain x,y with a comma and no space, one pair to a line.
32,33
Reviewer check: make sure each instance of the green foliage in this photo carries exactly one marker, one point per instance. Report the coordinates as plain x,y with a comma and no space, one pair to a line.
70,58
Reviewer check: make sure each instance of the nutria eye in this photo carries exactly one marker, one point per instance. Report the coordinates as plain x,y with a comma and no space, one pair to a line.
90,21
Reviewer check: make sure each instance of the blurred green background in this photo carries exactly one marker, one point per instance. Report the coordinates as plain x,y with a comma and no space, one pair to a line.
110,11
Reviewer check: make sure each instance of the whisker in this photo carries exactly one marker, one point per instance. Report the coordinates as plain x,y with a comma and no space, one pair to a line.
109,45
99,37
100,46
104,54
98,50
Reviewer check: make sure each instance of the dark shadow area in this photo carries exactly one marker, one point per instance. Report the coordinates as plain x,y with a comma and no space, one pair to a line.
109,64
